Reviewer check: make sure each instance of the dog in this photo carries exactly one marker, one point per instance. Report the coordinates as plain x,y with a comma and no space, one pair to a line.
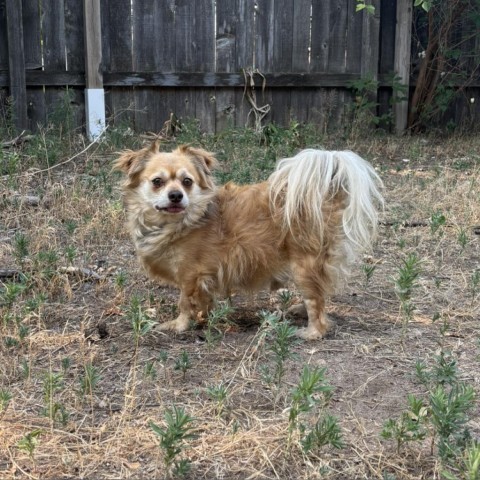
306,223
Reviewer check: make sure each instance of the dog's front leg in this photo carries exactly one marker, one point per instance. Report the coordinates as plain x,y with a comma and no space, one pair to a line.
185,317
193,303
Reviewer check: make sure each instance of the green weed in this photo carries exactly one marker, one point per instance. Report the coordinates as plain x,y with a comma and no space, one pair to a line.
20,248
89,380
437,220
141,323
183,363
172,439
410,427
280,339
219,394
405,282
216,319
10,292
29,442
52,383
5,397
326,431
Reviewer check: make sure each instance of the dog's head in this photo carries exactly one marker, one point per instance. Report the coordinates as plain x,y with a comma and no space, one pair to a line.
168,181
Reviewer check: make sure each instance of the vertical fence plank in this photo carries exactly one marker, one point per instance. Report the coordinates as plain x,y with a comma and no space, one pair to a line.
3,37
117,57
54,51
337,61
3,61
370,49
94,94
204,45
16,62
264,41
386,51
227,24
319,105
153,25
282,58
403,35
244,47
184,55
355,38
33,61
300,97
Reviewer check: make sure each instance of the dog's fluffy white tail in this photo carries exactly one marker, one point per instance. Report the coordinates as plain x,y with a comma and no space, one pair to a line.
301,185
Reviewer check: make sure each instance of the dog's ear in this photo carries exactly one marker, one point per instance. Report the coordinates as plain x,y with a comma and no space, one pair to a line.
132,162
205,160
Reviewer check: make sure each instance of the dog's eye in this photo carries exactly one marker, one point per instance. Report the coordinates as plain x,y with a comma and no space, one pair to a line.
158,182
187,182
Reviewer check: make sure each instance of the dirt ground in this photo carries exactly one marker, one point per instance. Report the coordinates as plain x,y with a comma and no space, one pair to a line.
369,354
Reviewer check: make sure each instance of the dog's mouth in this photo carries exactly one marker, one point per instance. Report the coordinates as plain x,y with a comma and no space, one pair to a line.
172,209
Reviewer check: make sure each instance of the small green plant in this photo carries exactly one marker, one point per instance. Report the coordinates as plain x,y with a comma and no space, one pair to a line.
66,364
326,431
474,284
437,220
404,283
368,271
29,442
467,466
173,437
52,383
23,331
5,397
363,5
150,371
47,262
462,239
24,368
410,427
89,380
312,390
10,342
448,411
10,292
286,298
442,414
141,323
183,363
70,253
163,359
34,303
280,343
70,226
120,280
20,248
219,394
215,319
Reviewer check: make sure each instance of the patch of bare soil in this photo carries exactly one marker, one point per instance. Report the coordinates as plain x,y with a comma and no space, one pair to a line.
65,321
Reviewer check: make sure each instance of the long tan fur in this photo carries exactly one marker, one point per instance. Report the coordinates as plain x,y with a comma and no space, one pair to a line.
307,222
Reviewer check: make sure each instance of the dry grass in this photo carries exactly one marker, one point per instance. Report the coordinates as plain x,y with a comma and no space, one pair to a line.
369,356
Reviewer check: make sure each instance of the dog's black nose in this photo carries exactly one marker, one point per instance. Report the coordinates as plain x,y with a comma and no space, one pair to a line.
175,196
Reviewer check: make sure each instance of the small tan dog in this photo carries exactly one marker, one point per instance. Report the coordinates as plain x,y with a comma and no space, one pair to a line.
305,223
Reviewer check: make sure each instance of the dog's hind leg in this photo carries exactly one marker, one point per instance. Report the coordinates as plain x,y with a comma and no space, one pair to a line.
315,283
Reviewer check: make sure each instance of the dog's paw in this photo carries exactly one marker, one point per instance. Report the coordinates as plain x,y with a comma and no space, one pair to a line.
178,325
308,333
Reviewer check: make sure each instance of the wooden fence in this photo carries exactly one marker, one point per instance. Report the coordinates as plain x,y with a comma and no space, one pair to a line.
193,58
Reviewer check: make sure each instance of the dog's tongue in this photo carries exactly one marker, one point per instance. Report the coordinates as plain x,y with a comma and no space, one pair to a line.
174,209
